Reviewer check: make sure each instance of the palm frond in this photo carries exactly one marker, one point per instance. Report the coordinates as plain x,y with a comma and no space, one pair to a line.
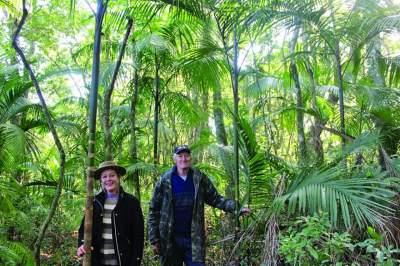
15,253
365,141
202,65
183,108
12,142
354,199
142,167
10,6
390,69
260,86
10,190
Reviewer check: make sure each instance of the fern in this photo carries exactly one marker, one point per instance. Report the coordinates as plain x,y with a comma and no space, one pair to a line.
15,253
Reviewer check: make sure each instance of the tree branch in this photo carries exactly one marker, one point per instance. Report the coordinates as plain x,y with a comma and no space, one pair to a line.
337,132
53,131
109,91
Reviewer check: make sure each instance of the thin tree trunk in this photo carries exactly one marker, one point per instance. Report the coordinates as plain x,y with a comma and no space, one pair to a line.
108,93
234,72
229,224
101,9
223,140
156,111
270,256
316,127
200,98
57,195
389,142
340,86
339,75
133,150
373,64
315,130
299,101
219,118
235,90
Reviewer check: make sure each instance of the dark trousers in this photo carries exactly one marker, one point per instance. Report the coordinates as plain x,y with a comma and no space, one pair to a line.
182,253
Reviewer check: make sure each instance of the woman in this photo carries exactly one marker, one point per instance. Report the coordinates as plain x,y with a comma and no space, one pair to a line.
118,231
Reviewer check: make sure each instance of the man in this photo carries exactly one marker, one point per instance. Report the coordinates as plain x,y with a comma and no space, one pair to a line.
176,213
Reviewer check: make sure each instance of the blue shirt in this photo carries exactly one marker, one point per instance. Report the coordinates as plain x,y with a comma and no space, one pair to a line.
183,201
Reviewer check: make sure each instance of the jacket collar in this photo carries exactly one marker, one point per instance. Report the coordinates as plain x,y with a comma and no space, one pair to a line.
196,175
101,195
174,170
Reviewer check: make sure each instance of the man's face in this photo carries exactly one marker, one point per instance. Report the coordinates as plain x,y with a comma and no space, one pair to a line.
110,180
183,160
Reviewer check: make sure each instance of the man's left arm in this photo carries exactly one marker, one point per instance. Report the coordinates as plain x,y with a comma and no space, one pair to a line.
212,198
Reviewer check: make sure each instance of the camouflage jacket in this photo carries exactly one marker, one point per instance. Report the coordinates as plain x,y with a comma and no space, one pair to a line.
161,218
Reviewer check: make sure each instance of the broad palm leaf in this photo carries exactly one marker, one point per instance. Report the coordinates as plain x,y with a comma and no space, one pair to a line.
350,198
359,196
17,117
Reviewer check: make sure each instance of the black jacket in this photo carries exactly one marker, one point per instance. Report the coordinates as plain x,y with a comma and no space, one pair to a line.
128,229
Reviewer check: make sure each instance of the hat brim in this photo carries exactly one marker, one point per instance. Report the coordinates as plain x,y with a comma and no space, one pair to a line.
119,169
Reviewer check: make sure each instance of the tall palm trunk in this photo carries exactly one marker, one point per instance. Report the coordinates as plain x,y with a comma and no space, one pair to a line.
221,135
235,90
133,149
340,86
339,75
299,100
234,73
157,104
222,139
316,128
374,70
101,9
57,195
219,118
390,138
108,93
270,256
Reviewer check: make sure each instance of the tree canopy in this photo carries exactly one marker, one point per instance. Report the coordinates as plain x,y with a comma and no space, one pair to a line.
290,107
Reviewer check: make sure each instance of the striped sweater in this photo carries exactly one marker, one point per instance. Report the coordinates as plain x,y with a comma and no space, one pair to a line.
108,256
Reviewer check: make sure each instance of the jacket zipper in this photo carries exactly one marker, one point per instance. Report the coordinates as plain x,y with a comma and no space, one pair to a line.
196,188
116,238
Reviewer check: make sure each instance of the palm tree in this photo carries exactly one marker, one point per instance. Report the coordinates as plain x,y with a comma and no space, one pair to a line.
109,91
18,117
101,10
53,131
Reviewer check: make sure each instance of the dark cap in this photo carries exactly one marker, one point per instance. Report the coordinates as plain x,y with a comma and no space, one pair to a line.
109,165
181,148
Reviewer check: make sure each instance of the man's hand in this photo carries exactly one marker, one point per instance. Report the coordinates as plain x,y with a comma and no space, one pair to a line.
244,211
156,248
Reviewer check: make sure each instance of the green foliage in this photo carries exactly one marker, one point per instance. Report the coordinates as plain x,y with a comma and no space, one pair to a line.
375,245
311,241
14,253
191,45
356,197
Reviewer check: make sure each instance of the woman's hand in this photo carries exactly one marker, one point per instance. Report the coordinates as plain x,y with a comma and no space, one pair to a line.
156,248
244,211
81,251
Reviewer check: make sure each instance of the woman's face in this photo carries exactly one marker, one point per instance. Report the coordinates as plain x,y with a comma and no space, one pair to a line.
110,181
